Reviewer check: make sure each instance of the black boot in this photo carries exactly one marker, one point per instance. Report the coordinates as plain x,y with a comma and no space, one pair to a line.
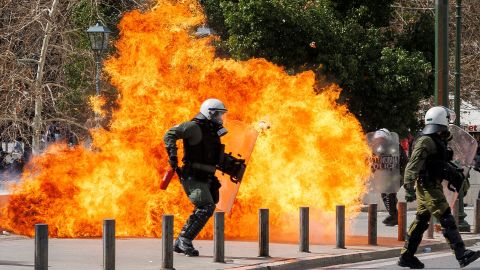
468,257
387,220
391,220
185,246
390,201
409,260
192,228
451,233
414,238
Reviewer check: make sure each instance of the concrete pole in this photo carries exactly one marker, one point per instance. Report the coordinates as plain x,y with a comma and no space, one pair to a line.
402,221
463,225
41,247
263,239
458,50
340,226
477,217
372,224
441,52
304,229
167,242
219,237
109,244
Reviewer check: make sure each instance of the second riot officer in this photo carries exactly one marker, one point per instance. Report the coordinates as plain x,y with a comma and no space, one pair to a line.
426,169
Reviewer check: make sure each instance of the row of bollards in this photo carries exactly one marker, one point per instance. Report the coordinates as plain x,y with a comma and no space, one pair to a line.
41,245
41,235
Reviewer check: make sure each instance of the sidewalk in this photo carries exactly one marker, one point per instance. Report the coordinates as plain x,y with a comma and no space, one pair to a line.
17,252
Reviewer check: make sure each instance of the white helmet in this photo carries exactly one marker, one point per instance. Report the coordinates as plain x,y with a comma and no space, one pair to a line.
213,109
437,119
382,133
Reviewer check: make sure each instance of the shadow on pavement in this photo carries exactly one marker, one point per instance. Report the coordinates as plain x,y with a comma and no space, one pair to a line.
14,263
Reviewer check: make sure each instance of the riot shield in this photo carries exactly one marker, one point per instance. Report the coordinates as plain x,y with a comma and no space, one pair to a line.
385,162
464,148
240,141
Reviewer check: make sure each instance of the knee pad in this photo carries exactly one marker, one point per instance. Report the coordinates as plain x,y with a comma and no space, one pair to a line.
423,218
447,220
210,208
205,211
422,222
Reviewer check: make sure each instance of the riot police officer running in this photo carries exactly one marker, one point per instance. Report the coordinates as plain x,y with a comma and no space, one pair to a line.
427,167
202,153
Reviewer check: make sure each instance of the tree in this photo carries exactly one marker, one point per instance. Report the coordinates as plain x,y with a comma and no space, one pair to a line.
348,41
46,65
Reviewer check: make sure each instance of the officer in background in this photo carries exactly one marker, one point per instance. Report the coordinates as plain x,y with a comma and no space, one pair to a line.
382,143
427,167
390,199
202,153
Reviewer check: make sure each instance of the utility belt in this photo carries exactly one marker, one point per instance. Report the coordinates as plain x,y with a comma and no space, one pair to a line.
200,171
230,165
426,180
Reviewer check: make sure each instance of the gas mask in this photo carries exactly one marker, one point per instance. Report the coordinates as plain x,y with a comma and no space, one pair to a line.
446,136
217,120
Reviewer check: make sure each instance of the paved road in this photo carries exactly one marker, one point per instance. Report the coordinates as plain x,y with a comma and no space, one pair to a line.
16,253
433,260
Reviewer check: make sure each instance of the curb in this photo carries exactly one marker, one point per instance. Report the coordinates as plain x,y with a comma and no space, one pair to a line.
359,256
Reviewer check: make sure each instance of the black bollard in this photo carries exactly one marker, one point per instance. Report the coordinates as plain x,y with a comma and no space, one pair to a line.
304,229
372,224
41,247
263,239
340,226
219,237
167,242
456,208
109,244
430,228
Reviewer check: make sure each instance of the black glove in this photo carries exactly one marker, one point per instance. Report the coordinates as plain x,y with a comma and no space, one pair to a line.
456,183
410,194
215,189
173,161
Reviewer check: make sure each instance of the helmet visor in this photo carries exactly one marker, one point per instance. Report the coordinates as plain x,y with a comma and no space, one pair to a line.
218,117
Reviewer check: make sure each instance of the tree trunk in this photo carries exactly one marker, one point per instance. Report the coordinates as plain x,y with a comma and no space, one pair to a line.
37,119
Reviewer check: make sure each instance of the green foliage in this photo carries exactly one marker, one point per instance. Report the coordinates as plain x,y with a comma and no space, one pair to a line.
215,16
365,12
383,74
399,77
79,70
419,35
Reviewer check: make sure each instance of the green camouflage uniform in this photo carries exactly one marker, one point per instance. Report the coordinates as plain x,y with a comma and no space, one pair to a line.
430,200
430,197
198,190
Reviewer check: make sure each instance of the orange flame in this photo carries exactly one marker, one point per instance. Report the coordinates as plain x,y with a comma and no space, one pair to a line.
313,154
97,102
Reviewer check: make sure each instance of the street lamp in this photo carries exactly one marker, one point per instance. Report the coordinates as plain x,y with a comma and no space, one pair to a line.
98,35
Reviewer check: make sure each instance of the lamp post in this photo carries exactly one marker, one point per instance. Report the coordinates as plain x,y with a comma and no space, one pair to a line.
463,225
98,35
